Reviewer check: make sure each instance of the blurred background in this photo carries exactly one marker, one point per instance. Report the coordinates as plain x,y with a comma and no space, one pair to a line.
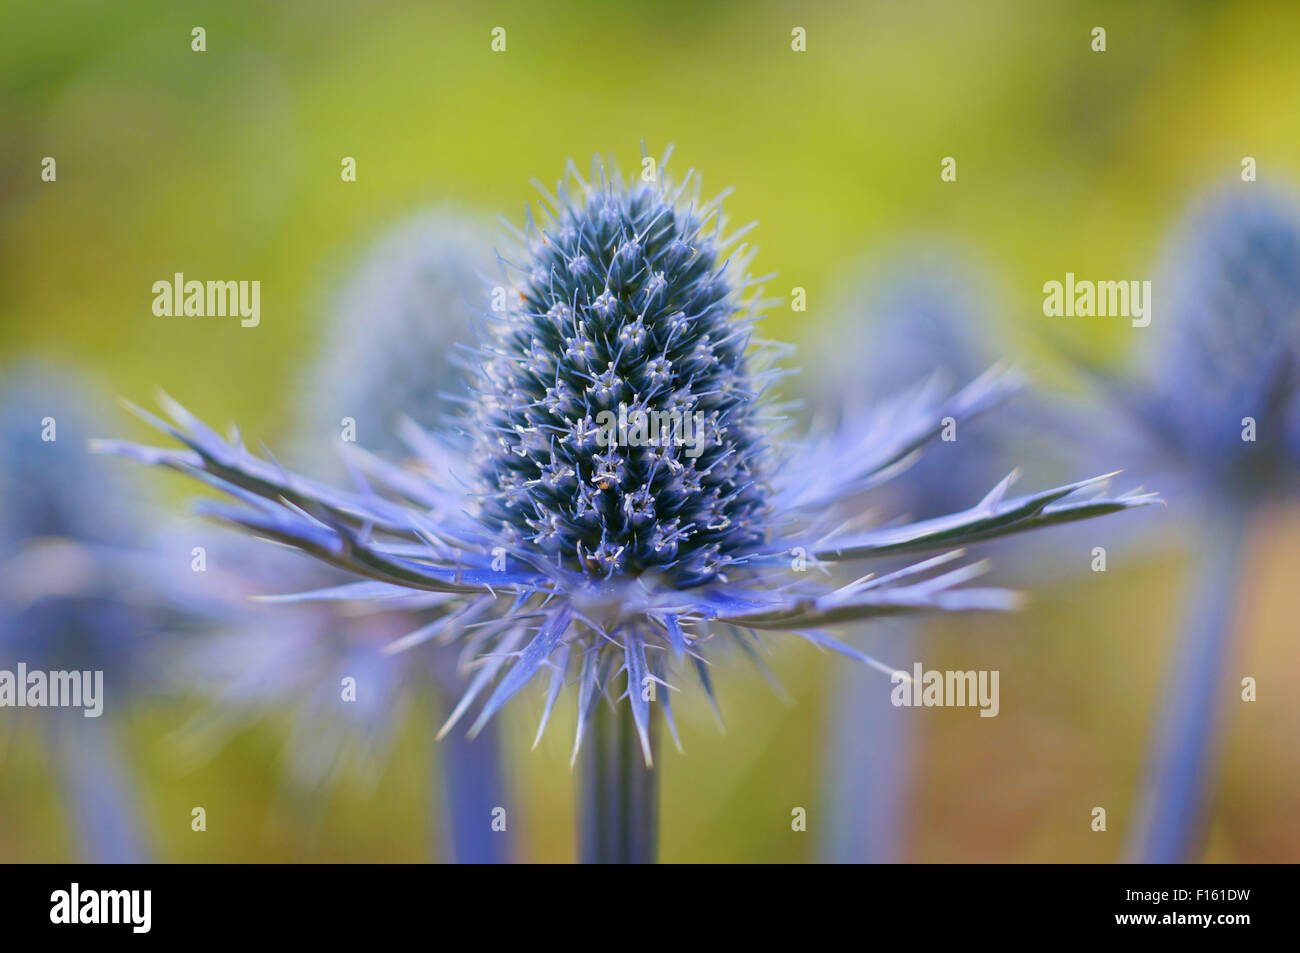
226,164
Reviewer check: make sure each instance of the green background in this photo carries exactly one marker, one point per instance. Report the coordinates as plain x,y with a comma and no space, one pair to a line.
226,164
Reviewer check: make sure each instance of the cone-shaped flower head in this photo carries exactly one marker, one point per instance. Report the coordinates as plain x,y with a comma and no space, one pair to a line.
616,412
1230,347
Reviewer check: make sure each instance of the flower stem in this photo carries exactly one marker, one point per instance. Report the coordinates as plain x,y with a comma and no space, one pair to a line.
866,797
618,810
472,788
99,795
1174,799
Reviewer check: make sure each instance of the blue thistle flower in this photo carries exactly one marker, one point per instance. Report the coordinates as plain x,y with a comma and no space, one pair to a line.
614,562
80,590
1230,350
1232,346
86,582
389,354
393,336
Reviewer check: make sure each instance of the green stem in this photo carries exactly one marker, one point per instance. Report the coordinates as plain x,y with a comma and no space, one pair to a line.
618,795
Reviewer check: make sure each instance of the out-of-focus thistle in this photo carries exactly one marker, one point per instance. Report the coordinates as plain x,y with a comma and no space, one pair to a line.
614,554
1231,348
921,314
80,591
394,339
389,353
1221,409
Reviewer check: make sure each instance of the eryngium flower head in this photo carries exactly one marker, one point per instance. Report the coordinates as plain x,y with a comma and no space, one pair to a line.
82,584
389,349
1229,348
628,310
599,561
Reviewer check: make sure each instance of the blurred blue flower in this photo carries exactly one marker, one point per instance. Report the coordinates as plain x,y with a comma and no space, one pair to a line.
920,313
389,354
1231,346
393,345
1218,408
83,588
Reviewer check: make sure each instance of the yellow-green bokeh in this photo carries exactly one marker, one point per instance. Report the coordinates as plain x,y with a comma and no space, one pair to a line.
226,164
